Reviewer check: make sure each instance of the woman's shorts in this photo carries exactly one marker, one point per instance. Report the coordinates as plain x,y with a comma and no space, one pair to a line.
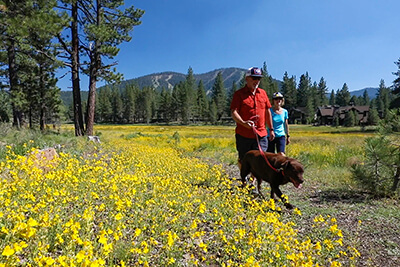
278,144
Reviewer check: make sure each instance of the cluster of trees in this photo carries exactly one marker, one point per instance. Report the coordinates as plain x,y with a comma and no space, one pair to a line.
190,102
40,36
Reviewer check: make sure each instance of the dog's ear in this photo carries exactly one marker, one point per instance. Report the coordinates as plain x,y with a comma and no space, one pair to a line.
285,164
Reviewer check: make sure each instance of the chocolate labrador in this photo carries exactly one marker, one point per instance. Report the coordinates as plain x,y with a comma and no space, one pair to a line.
279,170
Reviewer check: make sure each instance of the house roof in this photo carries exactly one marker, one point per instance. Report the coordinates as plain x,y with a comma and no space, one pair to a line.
360,109
326,111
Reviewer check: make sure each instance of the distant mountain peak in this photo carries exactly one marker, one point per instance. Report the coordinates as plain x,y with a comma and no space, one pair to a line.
169,79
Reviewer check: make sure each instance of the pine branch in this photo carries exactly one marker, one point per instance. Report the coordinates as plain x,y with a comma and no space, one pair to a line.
87,13
62,76
63,8
63,44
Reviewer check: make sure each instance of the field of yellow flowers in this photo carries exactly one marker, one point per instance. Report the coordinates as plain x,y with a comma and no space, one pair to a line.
148,196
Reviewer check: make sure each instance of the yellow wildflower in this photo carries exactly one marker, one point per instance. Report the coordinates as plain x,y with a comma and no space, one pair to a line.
8,251
202,208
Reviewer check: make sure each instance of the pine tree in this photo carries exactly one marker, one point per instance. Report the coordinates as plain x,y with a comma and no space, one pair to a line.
382,99
106,26
373,116
175,104
343,96
242,82
313,101
104,109
213,112
202,102
165,105
117,105
42,55
267,82
183,102
229,97
130,94
322,90
289,91
349,119
332,98
72,56
190,88
12,28
395,103
354,101
102,26
218,95
303,90
145,102
365,98
5,107
26,47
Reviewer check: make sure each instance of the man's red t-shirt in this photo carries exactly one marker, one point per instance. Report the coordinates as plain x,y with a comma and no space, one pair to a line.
251,107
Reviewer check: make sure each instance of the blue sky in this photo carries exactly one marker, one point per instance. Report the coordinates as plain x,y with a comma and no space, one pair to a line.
345,41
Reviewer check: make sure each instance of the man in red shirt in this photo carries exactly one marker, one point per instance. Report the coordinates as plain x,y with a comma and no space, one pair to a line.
251,107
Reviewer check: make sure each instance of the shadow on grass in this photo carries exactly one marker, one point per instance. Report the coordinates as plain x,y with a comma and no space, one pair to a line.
340,195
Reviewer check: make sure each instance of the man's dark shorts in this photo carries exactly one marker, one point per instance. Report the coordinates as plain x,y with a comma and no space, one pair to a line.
243,144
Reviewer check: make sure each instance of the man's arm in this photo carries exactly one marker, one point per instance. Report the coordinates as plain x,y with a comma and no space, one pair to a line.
238,119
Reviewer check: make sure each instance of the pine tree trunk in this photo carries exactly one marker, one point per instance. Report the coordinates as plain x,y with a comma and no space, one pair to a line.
77,109
42,100
95,63
91,103
12,72
396,179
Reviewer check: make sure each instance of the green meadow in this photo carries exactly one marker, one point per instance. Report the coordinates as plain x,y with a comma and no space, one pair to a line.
170,196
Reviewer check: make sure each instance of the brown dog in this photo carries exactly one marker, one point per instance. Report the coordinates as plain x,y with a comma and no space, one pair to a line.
279,171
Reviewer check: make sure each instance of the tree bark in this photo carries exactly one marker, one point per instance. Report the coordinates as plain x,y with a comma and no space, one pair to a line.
95,63
91,101
42,119
396,179
12,71
76,91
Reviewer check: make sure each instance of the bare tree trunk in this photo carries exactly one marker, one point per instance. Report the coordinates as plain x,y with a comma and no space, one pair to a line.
77,109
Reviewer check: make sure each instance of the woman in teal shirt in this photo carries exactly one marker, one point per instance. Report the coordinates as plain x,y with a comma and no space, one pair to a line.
280,118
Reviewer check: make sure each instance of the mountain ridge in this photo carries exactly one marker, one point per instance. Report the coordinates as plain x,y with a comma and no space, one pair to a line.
230,74
168,79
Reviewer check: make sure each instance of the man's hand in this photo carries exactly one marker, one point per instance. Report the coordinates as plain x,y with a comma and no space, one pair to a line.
249,124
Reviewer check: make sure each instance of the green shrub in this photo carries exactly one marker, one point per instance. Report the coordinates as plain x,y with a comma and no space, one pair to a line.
379,173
